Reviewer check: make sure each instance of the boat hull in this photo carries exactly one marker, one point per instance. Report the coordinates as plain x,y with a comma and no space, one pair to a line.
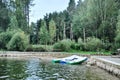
73,60
78,62
56,60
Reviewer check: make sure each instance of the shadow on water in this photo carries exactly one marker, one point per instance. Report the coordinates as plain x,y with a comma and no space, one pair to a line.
35,69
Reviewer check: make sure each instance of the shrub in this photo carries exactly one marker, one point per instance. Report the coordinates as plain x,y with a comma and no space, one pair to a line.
5,38
64,45
73,45
115,46
117,40
76,46
57,45
107,45
19,42
93,44
36,48
81,44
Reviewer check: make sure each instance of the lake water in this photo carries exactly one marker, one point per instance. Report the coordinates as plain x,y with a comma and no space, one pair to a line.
36,69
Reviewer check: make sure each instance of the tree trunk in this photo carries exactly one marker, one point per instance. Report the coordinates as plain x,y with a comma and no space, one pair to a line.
64,32
28,16
71,32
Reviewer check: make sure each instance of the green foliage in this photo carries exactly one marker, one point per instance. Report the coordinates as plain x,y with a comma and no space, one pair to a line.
81,44
99,18
4,17
64,45
93,44
13,23
1,30
117,41
34,36
78,46
71,6
88,52
107,45
34,48
41,48
95,16
22,13
80,41
52,30
19,41
5,37
117,38
44,36
118,23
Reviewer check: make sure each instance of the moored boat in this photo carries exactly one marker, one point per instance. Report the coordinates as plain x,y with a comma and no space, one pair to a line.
77,61
74,59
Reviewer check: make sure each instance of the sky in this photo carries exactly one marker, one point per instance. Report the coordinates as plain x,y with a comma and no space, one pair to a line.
42,7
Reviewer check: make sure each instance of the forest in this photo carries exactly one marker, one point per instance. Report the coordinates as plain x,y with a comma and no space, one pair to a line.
89,25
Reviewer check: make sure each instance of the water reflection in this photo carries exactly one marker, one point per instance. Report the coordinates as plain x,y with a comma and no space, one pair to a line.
32,69
35,69
11,70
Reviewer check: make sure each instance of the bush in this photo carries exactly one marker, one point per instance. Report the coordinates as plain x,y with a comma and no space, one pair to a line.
64,45
5,38
107,45
57,45
78,46
117,40
81,43
73,45
36,48
93,44
19,42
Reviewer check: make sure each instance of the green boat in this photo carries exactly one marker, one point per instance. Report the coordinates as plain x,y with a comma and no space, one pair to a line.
56,60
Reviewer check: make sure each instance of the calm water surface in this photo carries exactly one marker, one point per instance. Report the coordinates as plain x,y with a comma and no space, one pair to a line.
35,69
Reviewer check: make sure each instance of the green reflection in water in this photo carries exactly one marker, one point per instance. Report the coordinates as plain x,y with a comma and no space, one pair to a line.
35,69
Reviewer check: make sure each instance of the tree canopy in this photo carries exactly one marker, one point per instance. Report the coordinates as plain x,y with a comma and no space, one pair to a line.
97,19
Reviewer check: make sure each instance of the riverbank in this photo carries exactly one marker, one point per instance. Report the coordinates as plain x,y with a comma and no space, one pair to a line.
41,55
108,63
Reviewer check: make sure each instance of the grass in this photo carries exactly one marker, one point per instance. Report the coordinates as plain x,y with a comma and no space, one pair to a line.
50,48
89,52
